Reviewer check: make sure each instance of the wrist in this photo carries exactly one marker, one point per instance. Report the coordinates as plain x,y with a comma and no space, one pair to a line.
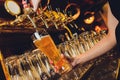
82,58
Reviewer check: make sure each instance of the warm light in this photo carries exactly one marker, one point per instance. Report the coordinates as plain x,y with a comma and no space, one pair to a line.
97,29
89,17
12,7
89,20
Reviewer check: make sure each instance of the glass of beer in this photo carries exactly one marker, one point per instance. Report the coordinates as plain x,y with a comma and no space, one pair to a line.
43,41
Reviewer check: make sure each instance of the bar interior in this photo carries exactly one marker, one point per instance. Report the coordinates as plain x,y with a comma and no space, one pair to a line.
35,45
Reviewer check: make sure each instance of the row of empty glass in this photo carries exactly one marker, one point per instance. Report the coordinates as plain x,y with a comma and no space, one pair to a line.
34,65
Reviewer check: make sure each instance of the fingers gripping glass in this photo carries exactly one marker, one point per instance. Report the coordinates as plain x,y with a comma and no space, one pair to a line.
44,42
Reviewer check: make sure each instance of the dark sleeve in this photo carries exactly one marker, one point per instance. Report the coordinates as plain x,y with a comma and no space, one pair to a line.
117,32
115,8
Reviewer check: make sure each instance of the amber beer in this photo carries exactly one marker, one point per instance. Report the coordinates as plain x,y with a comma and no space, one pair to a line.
4,74
47,46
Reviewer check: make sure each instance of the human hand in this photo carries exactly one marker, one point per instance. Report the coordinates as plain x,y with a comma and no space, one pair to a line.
72,60
75,61
35,4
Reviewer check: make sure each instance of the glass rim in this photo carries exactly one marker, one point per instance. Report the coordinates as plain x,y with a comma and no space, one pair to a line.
38,34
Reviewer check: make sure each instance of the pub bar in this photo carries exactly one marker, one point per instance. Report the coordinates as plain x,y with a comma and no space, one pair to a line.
39,40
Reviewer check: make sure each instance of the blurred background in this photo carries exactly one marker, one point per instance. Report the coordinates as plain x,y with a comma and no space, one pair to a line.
18,42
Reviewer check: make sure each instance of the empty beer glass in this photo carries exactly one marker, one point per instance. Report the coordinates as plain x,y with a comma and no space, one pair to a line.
44,42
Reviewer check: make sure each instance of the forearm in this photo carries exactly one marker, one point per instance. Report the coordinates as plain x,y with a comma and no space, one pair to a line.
105,44
99,49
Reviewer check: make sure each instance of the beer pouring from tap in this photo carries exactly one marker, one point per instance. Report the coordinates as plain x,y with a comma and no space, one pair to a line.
44,42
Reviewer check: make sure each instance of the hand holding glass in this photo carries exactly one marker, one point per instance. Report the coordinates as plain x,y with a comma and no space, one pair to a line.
44,42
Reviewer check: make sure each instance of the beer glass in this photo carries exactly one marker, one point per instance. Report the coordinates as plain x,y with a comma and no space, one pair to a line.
44,42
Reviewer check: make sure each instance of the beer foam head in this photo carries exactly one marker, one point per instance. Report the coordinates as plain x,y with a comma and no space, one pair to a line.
37,35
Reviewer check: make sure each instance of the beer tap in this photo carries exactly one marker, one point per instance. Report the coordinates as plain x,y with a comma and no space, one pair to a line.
62,20
41,16
52,16
72,23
